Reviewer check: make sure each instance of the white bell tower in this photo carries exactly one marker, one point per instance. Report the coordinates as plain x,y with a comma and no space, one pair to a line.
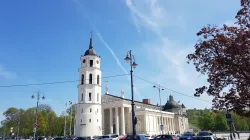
89,110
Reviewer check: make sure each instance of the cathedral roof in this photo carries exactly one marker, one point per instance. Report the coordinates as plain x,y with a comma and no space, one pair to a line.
91,50
171,104
130,100
183,106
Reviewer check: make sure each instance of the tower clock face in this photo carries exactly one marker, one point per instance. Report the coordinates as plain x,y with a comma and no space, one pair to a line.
83,60
97,62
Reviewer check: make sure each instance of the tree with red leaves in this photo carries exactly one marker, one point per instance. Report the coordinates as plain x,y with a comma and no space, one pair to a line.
224,55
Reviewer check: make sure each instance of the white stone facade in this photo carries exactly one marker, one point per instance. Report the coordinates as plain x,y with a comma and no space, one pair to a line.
88,120
97,115
117,118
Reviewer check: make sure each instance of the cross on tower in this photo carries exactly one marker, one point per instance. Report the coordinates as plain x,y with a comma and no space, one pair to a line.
107,88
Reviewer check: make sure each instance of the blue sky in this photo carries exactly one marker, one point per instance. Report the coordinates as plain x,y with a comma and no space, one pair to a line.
41,41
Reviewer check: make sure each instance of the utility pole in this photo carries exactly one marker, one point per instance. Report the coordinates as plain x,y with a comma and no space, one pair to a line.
70,103
159,90
64,133
229,121
18,124
38,98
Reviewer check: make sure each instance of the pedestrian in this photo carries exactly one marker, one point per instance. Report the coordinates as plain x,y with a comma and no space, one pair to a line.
234,135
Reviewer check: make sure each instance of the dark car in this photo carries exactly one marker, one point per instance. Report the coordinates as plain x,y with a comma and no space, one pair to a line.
139,137
204,133
165,137
186,136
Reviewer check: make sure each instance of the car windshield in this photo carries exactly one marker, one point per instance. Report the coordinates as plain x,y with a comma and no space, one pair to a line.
202,138
203,134
114,136
104,137
142,136
188,134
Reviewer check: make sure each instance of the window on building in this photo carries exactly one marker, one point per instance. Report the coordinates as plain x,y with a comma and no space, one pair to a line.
89,96
81,120
90,110
82,79
82,110
98,79
91,63
97,111
97,120
89,120
90,78
97,97
82,97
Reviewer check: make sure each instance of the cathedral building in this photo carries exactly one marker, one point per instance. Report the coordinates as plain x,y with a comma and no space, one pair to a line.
98,114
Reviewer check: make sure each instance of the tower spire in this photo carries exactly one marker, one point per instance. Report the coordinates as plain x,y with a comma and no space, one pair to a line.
90,41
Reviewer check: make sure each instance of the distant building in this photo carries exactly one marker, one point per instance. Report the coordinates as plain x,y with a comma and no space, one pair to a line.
98,115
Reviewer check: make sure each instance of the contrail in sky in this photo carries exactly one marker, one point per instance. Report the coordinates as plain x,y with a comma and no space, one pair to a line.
105,43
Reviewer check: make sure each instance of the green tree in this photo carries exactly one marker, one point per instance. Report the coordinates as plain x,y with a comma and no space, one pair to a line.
206,122
40,124
220,123
244,125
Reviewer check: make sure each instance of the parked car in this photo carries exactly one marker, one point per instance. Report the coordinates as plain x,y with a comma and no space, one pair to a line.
204,133
122,138
109,137
165,137
203,138
187,136
149,137
138,136
105,137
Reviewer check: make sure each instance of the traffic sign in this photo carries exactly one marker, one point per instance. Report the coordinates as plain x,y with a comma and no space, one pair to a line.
229,121
161,127
35,125
228,116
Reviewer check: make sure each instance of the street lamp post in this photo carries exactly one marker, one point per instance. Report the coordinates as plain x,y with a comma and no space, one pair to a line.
38,98
159,90
65,122
18,124
70,103
130,58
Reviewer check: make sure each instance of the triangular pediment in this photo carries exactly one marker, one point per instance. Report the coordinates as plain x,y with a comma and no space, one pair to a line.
109,98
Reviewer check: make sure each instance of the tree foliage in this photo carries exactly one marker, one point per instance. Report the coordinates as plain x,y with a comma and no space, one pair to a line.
216,121
49,124
224,55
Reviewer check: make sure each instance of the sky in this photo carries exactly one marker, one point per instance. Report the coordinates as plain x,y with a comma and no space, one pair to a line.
42,41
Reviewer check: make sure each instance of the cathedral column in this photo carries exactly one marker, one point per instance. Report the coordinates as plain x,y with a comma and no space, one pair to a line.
164,124
170,126
111,120
117,120
173,125
103,119
122,121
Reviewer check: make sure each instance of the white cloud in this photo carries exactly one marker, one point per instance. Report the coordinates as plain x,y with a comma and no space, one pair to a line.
228,23
153,17
6,74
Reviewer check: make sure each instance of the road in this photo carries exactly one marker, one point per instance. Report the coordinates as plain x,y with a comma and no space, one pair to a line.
243,136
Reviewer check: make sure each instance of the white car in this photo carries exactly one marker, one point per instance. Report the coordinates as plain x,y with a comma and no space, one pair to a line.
203,138
109,137
149,137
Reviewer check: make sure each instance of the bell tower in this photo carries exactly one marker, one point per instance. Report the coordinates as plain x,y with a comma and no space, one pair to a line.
88,121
